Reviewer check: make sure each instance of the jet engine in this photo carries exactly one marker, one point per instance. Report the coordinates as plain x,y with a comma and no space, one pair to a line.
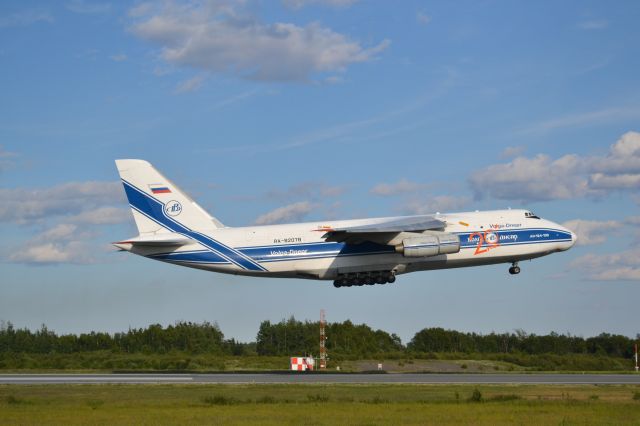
431,244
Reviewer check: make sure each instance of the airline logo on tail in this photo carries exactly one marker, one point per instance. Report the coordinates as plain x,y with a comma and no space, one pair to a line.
173,208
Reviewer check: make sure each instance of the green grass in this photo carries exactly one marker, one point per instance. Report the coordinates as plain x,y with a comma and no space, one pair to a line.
318,404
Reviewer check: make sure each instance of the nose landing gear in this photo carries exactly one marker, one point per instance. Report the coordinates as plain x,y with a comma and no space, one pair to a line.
515,269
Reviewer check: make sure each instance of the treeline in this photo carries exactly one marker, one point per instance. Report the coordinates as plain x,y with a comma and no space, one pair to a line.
441,340
289,337
344,340
183,337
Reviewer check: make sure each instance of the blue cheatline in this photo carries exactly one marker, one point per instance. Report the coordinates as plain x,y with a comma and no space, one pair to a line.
154,210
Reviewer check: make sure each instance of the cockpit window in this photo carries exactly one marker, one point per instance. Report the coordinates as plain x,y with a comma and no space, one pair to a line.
531,215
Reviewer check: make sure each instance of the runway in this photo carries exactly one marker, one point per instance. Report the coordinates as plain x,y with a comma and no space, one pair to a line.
271,378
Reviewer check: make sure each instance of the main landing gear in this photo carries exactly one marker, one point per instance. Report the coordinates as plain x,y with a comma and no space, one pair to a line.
515,269
364,278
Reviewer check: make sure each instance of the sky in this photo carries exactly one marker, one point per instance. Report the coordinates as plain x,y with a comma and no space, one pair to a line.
295,110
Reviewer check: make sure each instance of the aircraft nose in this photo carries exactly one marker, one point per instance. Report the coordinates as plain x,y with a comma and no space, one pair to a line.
574,238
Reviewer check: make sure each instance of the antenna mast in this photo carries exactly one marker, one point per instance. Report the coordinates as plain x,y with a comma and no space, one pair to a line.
323,338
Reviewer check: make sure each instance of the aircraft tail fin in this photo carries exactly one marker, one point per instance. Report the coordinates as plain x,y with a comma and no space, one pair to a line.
158,205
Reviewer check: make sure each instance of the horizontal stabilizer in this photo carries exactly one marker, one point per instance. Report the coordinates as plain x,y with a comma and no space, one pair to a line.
170,240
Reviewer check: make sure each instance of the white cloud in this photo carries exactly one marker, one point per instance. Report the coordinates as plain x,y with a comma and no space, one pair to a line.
403,186
5,157
609,267
73,212
191,85
118,58
297,4
423,18
141,9
88,8
25,18
623,156
588,118
291,213
23,205
6,154
437,204
602,181
598,24
512,151
536,179
633,220
217,38
542,178
60,244
102,216
591,232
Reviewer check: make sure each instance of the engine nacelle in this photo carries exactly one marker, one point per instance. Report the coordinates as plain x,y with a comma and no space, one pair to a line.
431,244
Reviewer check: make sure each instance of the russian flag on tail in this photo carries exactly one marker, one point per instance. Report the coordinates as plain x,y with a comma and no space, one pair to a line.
158,188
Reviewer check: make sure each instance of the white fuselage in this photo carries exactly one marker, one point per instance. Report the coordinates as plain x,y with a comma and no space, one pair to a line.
300,250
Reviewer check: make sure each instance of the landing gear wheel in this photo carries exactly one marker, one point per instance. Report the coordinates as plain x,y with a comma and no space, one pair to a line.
391,279
514,270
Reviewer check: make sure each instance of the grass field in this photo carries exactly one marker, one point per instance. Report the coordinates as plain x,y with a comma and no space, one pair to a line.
318,404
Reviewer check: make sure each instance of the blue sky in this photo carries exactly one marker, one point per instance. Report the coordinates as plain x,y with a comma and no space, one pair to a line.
299,110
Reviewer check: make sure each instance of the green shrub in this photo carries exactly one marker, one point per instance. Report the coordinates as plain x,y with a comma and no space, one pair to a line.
504,398
318,398
219,400
13,400
476,396
267,399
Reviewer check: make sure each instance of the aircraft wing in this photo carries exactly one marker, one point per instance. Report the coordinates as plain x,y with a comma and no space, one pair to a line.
384,230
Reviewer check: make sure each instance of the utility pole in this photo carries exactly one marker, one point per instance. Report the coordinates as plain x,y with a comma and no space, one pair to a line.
323,338
635,347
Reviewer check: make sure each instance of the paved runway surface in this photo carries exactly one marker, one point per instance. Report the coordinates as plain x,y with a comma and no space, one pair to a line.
558,379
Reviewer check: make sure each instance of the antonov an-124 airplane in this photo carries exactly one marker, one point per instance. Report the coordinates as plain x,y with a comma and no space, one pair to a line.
173,228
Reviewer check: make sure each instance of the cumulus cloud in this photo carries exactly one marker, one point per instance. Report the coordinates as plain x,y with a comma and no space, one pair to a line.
216,37
290,213
297,4
512,151
24,206
25,18
440,203
633,220
72,213
102,216
403,186
592,232
609,267
539,178
60,244
542,178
